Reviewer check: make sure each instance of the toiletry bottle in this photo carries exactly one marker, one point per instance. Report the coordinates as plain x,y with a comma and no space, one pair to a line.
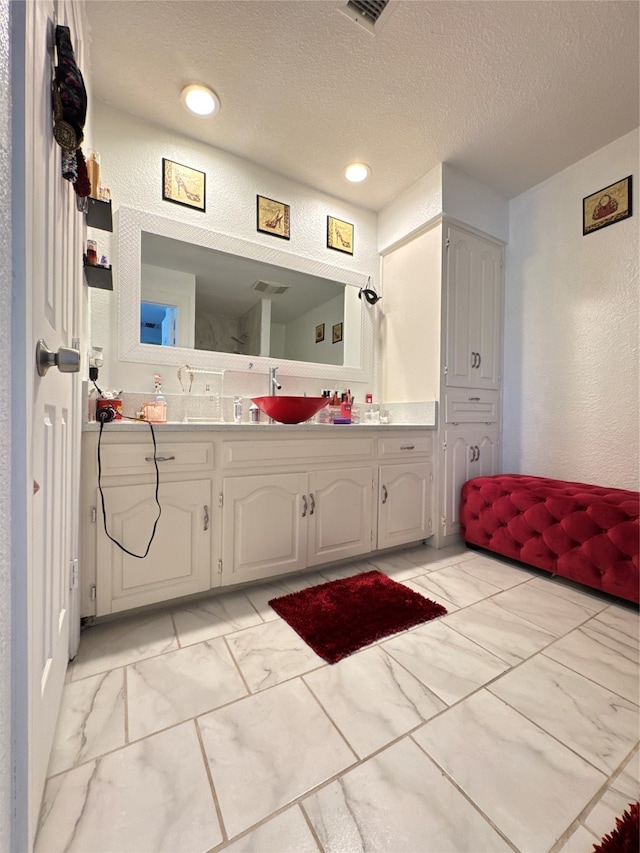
254,414
93,172
156,412
237,410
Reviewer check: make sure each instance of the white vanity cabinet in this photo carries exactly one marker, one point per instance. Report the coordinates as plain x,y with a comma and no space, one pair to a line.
179,558
405,490
279,522
470,452
473,294
243,504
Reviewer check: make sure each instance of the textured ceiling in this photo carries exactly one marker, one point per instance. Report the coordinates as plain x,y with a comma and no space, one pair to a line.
508,92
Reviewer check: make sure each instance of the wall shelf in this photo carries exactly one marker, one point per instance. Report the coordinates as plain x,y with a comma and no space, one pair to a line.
99,214
98,276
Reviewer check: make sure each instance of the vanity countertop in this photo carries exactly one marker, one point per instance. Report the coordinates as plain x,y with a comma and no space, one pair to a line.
209,426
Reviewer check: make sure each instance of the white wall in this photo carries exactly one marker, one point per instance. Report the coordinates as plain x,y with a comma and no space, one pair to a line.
571,329
5,436
131,163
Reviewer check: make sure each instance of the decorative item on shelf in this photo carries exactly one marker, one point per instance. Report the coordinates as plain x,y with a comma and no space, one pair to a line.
607,206
319,333
273,217
339,235
336,333
183,185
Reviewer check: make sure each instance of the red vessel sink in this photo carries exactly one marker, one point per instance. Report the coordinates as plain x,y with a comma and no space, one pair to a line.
290,410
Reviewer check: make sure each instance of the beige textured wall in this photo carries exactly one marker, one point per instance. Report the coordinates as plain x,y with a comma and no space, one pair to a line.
571,329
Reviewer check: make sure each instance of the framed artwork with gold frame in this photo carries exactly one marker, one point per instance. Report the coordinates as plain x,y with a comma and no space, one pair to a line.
319,333
607,206
183,185
273,217
339,235
336,333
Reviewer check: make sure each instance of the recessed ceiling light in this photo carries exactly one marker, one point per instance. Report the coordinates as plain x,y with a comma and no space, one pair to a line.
200,100
357,172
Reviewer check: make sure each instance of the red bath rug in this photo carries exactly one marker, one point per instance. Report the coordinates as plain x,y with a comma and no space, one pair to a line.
624,838
339,617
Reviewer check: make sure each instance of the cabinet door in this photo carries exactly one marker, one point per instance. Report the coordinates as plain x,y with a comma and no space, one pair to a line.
178,562
474,311
404,504
340,514
263,526
468,454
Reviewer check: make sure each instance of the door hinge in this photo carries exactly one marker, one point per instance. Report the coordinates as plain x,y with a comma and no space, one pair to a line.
92,592
220,499
219,567
444,445
94,514
446,370
446,243
74,579
444,521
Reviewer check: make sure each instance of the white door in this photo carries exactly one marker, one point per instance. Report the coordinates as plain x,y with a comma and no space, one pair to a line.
468,454
264,526
52,258
404,506
340,514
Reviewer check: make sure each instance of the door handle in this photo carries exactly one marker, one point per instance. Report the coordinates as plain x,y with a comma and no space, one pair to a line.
206,517
313,503
385,494
479,360
67,360
477,453
304,505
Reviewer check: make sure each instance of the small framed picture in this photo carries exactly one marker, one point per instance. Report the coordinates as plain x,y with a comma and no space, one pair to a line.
339,235
606,206
183,185
336,335
273,217
319,333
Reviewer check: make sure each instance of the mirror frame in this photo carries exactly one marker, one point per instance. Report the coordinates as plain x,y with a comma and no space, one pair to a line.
129,225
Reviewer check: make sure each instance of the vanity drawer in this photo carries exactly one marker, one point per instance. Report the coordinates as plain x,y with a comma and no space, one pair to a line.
468,406
120,460
406,447
307,451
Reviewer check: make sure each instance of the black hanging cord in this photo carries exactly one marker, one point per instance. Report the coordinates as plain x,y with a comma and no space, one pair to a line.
104,511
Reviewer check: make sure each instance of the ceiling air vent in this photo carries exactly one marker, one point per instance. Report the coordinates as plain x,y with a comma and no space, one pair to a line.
370,14
270,287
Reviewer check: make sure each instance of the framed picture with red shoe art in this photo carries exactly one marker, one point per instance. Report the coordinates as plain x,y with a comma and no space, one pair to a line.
606,206
183,185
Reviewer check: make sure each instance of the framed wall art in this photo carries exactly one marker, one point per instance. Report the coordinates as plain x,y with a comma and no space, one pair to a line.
273,217
607,206
339,235
320,333
183,185
336,335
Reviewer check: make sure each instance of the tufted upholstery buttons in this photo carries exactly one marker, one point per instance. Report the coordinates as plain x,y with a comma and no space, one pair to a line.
583,532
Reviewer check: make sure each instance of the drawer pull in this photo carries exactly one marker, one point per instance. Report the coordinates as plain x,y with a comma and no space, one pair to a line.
385,494
407,447
313,503
159,458
206,517
304,506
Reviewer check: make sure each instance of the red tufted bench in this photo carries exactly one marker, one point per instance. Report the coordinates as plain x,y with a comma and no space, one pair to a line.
585,533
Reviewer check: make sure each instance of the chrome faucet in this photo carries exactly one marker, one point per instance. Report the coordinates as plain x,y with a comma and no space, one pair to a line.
274,385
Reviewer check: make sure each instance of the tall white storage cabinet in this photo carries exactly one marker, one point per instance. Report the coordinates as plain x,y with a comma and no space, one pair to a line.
446,343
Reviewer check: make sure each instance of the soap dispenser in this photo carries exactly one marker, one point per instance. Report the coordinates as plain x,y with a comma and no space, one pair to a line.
156,412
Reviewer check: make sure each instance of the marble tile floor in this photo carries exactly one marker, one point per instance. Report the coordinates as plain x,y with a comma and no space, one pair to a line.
510,724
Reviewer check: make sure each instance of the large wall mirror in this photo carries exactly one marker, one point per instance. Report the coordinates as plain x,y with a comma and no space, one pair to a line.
190,295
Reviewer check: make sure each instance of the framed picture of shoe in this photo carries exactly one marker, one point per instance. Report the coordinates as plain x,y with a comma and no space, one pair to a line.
273,217
607,206
183,185
339,235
